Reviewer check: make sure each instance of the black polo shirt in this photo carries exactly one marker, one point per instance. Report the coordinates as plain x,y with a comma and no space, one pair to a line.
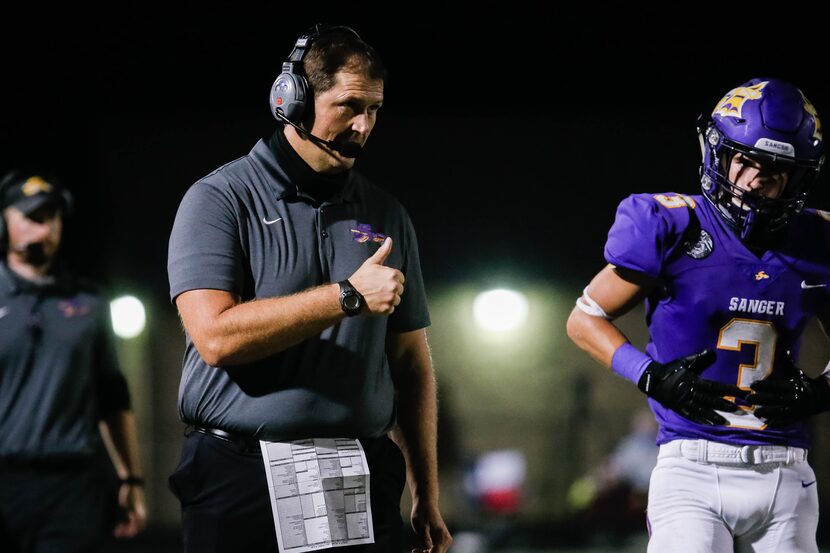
58,369
259,227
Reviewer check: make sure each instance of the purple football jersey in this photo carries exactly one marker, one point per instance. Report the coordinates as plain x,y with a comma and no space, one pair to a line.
718,294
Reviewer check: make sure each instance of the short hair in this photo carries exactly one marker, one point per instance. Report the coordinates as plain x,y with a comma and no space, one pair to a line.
340,49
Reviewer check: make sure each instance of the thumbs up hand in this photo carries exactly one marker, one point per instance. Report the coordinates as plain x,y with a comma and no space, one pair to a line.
380,286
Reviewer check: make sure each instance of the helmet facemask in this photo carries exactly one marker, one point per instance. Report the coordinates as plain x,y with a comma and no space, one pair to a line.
749,213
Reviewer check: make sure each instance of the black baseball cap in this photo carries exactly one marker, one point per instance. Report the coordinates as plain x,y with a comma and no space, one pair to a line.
30,191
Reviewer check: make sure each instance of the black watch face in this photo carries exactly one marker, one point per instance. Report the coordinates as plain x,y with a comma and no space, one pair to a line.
351,302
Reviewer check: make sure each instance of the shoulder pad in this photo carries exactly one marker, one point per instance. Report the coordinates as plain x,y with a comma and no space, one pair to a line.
647,229
670,211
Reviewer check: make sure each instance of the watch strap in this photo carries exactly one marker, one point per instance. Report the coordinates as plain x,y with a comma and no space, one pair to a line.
346,290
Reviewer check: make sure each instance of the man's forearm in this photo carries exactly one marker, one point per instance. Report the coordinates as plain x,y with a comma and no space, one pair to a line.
226,332
119,432
416,432
120,435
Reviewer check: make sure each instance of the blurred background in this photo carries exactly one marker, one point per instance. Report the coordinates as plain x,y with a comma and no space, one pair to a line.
510,131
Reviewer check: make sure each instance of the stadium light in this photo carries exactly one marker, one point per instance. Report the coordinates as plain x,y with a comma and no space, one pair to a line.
500,310
128,317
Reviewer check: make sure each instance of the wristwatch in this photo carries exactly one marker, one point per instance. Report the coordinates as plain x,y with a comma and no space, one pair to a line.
133,481
351,302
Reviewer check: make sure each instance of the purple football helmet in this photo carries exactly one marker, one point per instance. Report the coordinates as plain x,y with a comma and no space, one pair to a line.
769,120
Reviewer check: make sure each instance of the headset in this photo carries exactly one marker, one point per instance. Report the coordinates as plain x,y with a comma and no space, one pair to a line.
15,176
290,91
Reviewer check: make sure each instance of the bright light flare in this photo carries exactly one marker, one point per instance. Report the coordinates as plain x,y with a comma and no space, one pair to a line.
500,310
128,317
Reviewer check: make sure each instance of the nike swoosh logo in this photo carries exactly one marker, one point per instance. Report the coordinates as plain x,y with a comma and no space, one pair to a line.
805,286
267,222
807,484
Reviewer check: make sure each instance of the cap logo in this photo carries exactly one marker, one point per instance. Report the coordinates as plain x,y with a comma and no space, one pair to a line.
35,185
732,104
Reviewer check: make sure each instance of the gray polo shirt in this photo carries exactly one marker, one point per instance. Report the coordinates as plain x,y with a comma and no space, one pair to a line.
58,369
257,227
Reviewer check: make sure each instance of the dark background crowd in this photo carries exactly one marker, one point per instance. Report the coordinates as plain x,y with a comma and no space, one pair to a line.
513,129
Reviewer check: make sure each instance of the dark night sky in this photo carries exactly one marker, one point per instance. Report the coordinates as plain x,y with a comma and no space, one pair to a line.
510,133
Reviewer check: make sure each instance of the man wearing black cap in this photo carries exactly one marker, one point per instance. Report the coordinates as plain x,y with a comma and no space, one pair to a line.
61,388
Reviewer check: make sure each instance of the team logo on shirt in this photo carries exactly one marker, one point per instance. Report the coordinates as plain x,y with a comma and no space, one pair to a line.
73,308
761,275
700,248
732,104
364,233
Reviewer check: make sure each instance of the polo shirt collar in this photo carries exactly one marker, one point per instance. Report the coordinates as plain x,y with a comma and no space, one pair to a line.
7,281
290,176
15,284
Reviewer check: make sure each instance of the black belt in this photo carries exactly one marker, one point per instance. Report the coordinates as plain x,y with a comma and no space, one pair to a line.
248,444
244,443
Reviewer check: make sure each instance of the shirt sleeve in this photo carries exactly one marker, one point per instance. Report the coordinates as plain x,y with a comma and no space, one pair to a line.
645,231
204,251
111,387
412,313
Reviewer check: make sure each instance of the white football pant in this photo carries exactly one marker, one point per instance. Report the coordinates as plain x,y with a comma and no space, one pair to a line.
707,497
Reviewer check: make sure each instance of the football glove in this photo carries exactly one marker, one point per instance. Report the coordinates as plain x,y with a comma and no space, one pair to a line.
678,386
785,401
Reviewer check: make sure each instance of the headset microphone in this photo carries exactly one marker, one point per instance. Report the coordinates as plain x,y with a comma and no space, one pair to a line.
33,252
346,149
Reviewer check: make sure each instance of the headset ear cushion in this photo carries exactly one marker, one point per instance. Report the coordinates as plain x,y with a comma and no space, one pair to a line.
288,96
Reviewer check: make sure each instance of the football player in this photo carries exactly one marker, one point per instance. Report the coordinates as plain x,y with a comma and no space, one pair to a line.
730,279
